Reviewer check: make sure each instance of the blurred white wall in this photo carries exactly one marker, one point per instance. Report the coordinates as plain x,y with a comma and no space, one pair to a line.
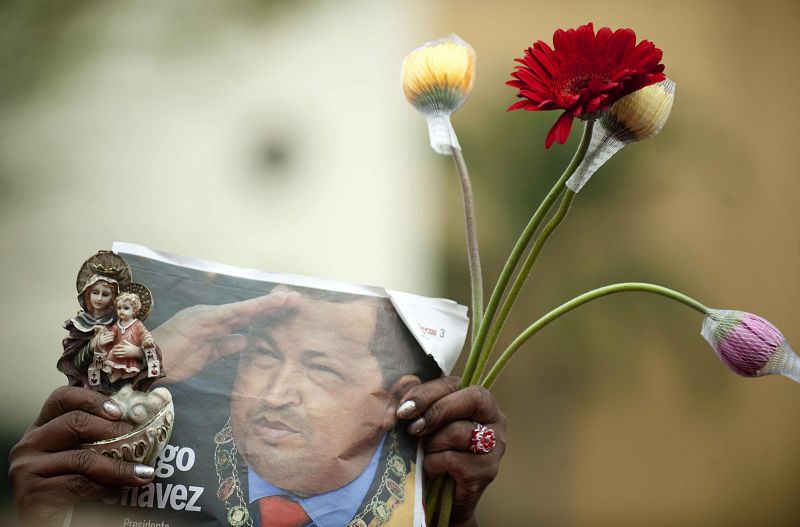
279,141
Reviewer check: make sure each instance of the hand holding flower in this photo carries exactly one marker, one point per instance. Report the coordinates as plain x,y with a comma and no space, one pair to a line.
618,87
444,414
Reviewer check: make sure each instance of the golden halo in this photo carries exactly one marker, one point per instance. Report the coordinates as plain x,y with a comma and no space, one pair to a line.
145,296
106,264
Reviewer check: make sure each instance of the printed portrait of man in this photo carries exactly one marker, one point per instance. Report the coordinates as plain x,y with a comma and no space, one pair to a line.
313,416
285,407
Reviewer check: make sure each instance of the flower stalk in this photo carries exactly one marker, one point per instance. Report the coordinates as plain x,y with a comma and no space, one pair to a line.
602,77
516,254
432,497
447,503
473,255
578,301
519,282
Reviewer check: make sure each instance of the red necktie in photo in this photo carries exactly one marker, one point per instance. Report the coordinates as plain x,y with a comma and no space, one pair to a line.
278,511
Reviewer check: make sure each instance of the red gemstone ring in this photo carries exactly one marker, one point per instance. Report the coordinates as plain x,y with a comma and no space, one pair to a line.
483,439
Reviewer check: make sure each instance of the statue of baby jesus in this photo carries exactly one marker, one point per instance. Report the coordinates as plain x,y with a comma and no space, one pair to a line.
126,342
109,350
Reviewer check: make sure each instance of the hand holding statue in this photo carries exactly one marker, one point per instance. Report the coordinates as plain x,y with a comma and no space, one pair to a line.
49,471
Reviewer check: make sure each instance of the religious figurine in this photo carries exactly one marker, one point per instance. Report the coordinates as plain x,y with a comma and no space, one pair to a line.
108,349
121,361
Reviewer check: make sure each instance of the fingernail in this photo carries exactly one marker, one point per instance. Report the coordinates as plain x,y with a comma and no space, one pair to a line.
144,472
417,426
112,409
405,410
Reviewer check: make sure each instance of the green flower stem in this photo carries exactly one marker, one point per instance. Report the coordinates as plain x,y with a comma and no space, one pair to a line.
519,249
447,502
519,282
432,497
577,302
443,486
473,256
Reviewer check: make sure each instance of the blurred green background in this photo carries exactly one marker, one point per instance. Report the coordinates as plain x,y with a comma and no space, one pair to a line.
274,135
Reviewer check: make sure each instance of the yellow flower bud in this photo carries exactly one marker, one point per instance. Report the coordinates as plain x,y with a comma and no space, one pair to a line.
437,78
439,74
637,116
644,112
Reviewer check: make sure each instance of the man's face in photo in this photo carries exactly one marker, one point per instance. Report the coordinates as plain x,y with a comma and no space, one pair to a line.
309,404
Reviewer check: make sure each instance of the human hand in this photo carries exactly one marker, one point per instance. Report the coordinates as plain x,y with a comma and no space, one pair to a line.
444,415
126,350
48,469
199,335
102,336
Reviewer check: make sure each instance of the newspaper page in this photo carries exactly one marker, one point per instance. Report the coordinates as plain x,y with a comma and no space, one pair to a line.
284,389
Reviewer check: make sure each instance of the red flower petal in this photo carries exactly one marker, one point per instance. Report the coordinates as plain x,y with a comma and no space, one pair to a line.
603,34
583,72
517,105
560,130
620,43
530,79
544,55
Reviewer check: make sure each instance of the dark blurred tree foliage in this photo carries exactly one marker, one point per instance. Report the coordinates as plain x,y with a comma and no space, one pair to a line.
43,41
39,39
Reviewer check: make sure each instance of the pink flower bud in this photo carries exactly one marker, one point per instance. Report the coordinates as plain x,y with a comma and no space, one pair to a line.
750,345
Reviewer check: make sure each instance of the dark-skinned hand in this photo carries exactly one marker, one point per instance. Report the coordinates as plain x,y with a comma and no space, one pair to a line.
444,415
49,471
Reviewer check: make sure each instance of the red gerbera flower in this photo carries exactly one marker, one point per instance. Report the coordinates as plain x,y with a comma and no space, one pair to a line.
583,73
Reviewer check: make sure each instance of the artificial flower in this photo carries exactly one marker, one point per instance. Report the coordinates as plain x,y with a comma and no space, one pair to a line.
583,73
637,116
749,345
437,78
